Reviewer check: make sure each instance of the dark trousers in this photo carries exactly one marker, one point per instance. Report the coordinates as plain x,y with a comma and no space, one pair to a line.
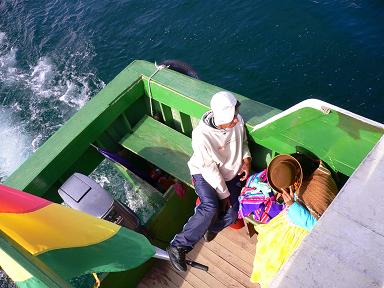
207,214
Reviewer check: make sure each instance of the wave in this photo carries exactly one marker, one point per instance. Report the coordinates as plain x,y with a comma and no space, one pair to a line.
7,59
45,79
40,96
141,197
13,144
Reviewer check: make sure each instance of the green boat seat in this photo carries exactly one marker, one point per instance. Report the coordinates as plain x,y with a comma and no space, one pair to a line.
154,141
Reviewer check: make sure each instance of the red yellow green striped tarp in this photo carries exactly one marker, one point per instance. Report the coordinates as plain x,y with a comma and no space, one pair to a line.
70,242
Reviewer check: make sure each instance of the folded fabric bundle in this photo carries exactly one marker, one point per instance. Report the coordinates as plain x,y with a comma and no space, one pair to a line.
257,199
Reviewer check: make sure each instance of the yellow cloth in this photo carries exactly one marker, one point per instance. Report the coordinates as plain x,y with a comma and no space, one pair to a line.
276,242
55,227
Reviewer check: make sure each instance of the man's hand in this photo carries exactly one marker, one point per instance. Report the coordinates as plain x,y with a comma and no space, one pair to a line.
245,168
288,197
225,204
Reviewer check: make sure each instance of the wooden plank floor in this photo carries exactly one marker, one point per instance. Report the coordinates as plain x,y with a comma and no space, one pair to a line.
229,258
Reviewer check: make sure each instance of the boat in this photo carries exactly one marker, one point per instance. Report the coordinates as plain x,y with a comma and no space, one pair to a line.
146,115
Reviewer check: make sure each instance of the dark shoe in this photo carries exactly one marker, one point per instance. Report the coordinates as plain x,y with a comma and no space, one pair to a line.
177,257
209,236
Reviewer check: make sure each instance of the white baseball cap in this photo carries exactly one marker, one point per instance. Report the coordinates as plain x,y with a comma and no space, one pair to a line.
223,105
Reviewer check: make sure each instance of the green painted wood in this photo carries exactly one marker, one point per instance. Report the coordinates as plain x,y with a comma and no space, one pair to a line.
61,150
186,124
166,112
339,140
172,216
126,122
192,96
162,146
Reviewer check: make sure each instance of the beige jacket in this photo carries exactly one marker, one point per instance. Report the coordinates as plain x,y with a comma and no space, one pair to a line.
218,153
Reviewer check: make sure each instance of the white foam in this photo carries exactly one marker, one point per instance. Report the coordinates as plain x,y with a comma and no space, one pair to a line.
36,142
9,59
2,37
16,107
7,54
42,76
102,180
65,86
46,94
8,70
14,148
45,80
76,93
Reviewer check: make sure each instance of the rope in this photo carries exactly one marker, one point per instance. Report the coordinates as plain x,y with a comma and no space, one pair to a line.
97,280
158,68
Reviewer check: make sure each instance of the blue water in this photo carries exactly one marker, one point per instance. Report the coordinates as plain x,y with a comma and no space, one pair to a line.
55,55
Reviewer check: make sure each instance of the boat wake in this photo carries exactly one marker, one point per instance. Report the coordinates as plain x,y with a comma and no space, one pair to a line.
45,79
38,98
13,144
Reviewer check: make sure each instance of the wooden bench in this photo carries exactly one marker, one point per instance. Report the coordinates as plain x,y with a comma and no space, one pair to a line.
162,146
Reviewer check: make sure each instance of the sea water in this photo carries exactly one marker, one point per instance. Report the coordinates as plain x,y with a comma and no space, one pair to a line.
56,55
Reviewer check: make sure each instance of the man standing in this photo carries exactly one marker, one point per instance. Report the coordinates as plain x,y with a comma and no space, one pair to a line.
220,157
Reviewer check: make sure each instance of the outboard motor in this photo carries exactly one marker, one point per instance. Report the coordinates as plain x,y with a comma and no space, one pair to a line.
83,193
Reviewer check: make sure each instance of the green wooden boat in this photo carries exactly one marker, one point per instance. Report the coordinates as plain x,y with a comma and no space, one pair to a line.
147,114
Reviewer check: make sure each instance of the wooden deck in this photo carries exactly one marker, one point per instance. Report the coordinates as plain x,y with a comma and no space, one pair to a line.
229,257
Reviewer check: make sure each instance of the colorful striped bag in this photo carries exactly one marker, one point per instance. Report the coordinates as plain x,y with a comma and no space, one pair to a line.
257,199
